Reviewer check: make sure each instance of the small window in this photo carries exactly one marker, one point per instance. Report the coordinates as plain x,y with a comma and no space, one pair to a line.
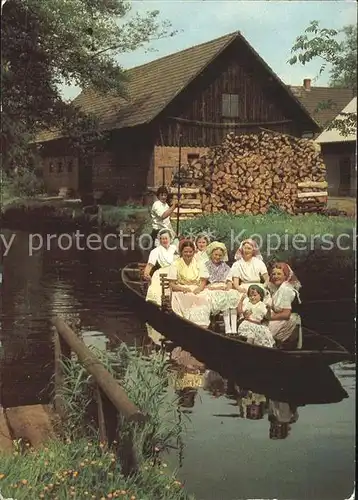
230,105
70,166
192,157
60,167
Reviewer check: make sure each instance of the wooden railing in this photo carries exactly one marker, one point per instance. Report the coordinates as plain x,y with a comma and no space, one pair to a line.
112,401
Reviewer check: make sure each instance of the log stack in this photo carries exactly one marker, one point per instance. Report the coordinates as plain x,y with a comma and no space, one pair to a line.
247,174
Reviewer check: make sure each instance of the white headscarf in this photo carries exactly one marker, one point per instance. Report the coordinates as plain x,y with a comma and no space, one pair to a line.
256,252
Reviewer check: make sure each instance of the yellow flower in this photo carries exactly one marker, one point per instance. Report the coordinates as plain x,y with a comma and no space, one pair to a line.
2,476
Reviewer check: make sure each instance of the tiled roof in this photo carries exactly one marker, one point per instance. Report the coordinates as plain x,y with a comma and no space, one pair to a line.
334,135
316,95
152,86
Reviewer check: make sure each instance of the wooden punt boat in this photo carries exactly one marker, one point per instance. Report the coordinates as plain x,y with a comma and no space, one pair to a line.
224,350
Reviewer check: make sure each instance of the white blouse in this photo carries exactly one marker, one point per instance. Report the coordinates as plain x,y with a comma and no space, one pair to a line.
158,209
248,271
201,256
162,256
258,310
283,297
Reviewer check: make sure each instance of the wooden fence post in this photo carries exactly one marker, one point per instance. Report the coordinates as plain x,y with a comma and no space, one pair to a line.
62,352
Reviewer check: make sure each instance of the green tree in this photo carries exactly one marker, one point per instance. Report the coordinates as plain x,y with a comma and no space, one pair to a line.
338,51
48,43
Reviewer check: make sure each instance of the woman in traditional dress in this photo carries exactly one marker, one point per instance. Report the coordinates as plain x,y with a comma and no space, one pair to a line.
249,267
284,287
254,312
201,242
162,256
189,299
223,298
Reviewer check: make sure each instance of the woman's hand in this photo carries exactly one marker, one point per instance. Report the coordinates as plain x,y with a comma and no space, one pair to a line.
197,290
147,277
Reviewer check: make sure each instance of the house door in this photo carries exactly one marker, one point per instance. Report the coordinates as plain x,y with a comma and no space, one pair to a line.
85,177
344,177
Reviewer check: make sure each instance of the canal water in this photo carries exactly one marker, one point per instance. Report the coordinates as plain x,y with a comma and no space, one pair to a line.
241,442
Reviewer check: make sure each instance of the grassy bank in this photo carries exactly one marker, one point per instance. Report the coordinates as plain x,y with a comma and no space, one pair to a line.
78,466
42,210
279,235
126,215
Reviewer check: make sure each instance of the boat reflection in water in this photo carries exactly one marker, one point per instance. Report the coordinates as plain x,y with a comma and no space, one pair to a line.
245,403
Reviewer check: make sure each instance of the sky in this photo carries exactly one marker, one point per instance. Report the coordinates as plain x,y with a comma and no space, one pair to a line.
271,28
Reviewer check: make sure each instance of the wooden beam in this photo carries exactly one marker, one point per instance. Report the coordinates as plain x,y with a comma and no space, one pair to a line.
227,125
103,378
193,202
312,184
193,211
185,190
312,194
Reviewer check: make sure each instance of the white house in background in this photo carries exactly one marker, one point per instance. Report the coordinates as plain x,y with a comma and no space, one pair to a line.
339,154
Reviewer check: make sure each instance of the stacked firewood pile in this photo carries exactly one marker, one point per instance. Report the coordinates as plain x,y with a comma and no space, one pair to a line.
249,173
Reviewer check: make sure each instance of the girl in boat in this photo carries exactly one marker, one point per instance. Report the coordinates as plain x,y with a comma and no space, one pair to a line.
284,287
254,312
223,298
189,299
249,267
201,242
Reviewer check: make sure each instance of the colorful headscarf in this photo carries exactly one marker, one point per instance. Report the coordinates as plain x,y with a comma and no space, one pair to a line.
290,276
256,251
215,245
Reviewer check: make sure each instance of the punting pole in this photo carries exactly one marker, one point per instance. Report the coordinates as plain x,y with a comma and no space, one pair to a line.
179,169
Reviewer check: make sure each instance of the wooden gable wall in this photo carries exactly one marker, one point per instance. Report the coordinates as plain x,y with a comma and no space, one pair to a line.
261,100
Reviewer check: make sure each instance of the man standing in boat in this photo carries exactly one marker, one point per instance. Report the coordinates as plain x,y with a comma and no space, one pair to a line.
160,213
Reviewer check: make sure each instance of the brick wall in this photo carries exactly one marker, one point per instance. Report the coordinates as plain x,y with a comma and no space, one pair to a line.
169,156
